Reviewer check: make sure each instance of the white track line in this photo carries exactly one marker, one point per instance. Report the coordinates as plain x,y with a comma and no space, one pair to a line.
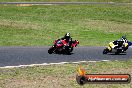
105,60
45,64
65,3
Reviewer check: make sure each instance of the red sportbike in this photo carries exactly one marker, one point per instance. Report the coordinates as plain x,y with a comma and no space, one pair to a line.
62,47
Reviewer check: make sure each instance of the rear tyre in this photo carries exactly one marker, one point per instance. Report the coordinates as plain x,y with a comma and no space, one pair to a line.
71,49
66,50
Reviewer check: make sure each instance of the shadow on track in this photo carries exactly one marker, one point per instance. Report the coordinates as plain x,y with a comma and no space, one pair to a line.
63,53
117,54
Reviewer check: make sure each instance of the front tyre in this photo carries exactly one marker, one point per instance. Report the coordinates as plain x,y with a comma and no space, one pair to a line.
105,51
51,49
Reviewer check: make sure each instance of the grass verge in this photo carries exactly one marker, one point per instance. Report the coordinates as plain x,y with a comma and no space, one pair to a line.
128,1
41,25
62,76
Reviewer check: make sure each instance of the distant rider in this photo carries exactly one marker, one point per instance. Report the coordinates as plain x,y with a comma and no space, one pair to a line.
123,38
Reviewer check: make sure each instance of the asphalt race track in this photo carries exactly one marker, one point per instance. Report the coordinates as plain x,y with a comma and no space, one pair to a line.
14,56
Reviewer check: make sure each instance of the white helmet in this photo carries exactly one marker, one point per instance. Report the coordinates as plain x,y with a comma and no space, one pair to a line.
67,34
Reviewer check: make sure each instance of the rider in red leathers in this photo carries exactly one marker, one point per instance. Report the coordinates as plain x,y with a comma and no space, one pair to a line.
67,38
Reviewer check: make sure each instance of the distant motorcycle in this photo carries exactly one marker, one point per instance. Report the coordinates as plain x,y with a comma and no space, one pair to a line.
62,47
116,47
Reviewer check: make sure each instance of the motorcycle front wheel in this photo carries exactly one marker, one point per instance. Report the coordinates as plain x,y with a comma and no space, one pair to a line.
51,49
105,51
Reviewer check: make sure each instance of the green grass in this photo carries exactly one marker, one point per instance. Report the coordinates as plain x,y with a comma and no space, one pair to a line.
128,1
62,76
41,25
